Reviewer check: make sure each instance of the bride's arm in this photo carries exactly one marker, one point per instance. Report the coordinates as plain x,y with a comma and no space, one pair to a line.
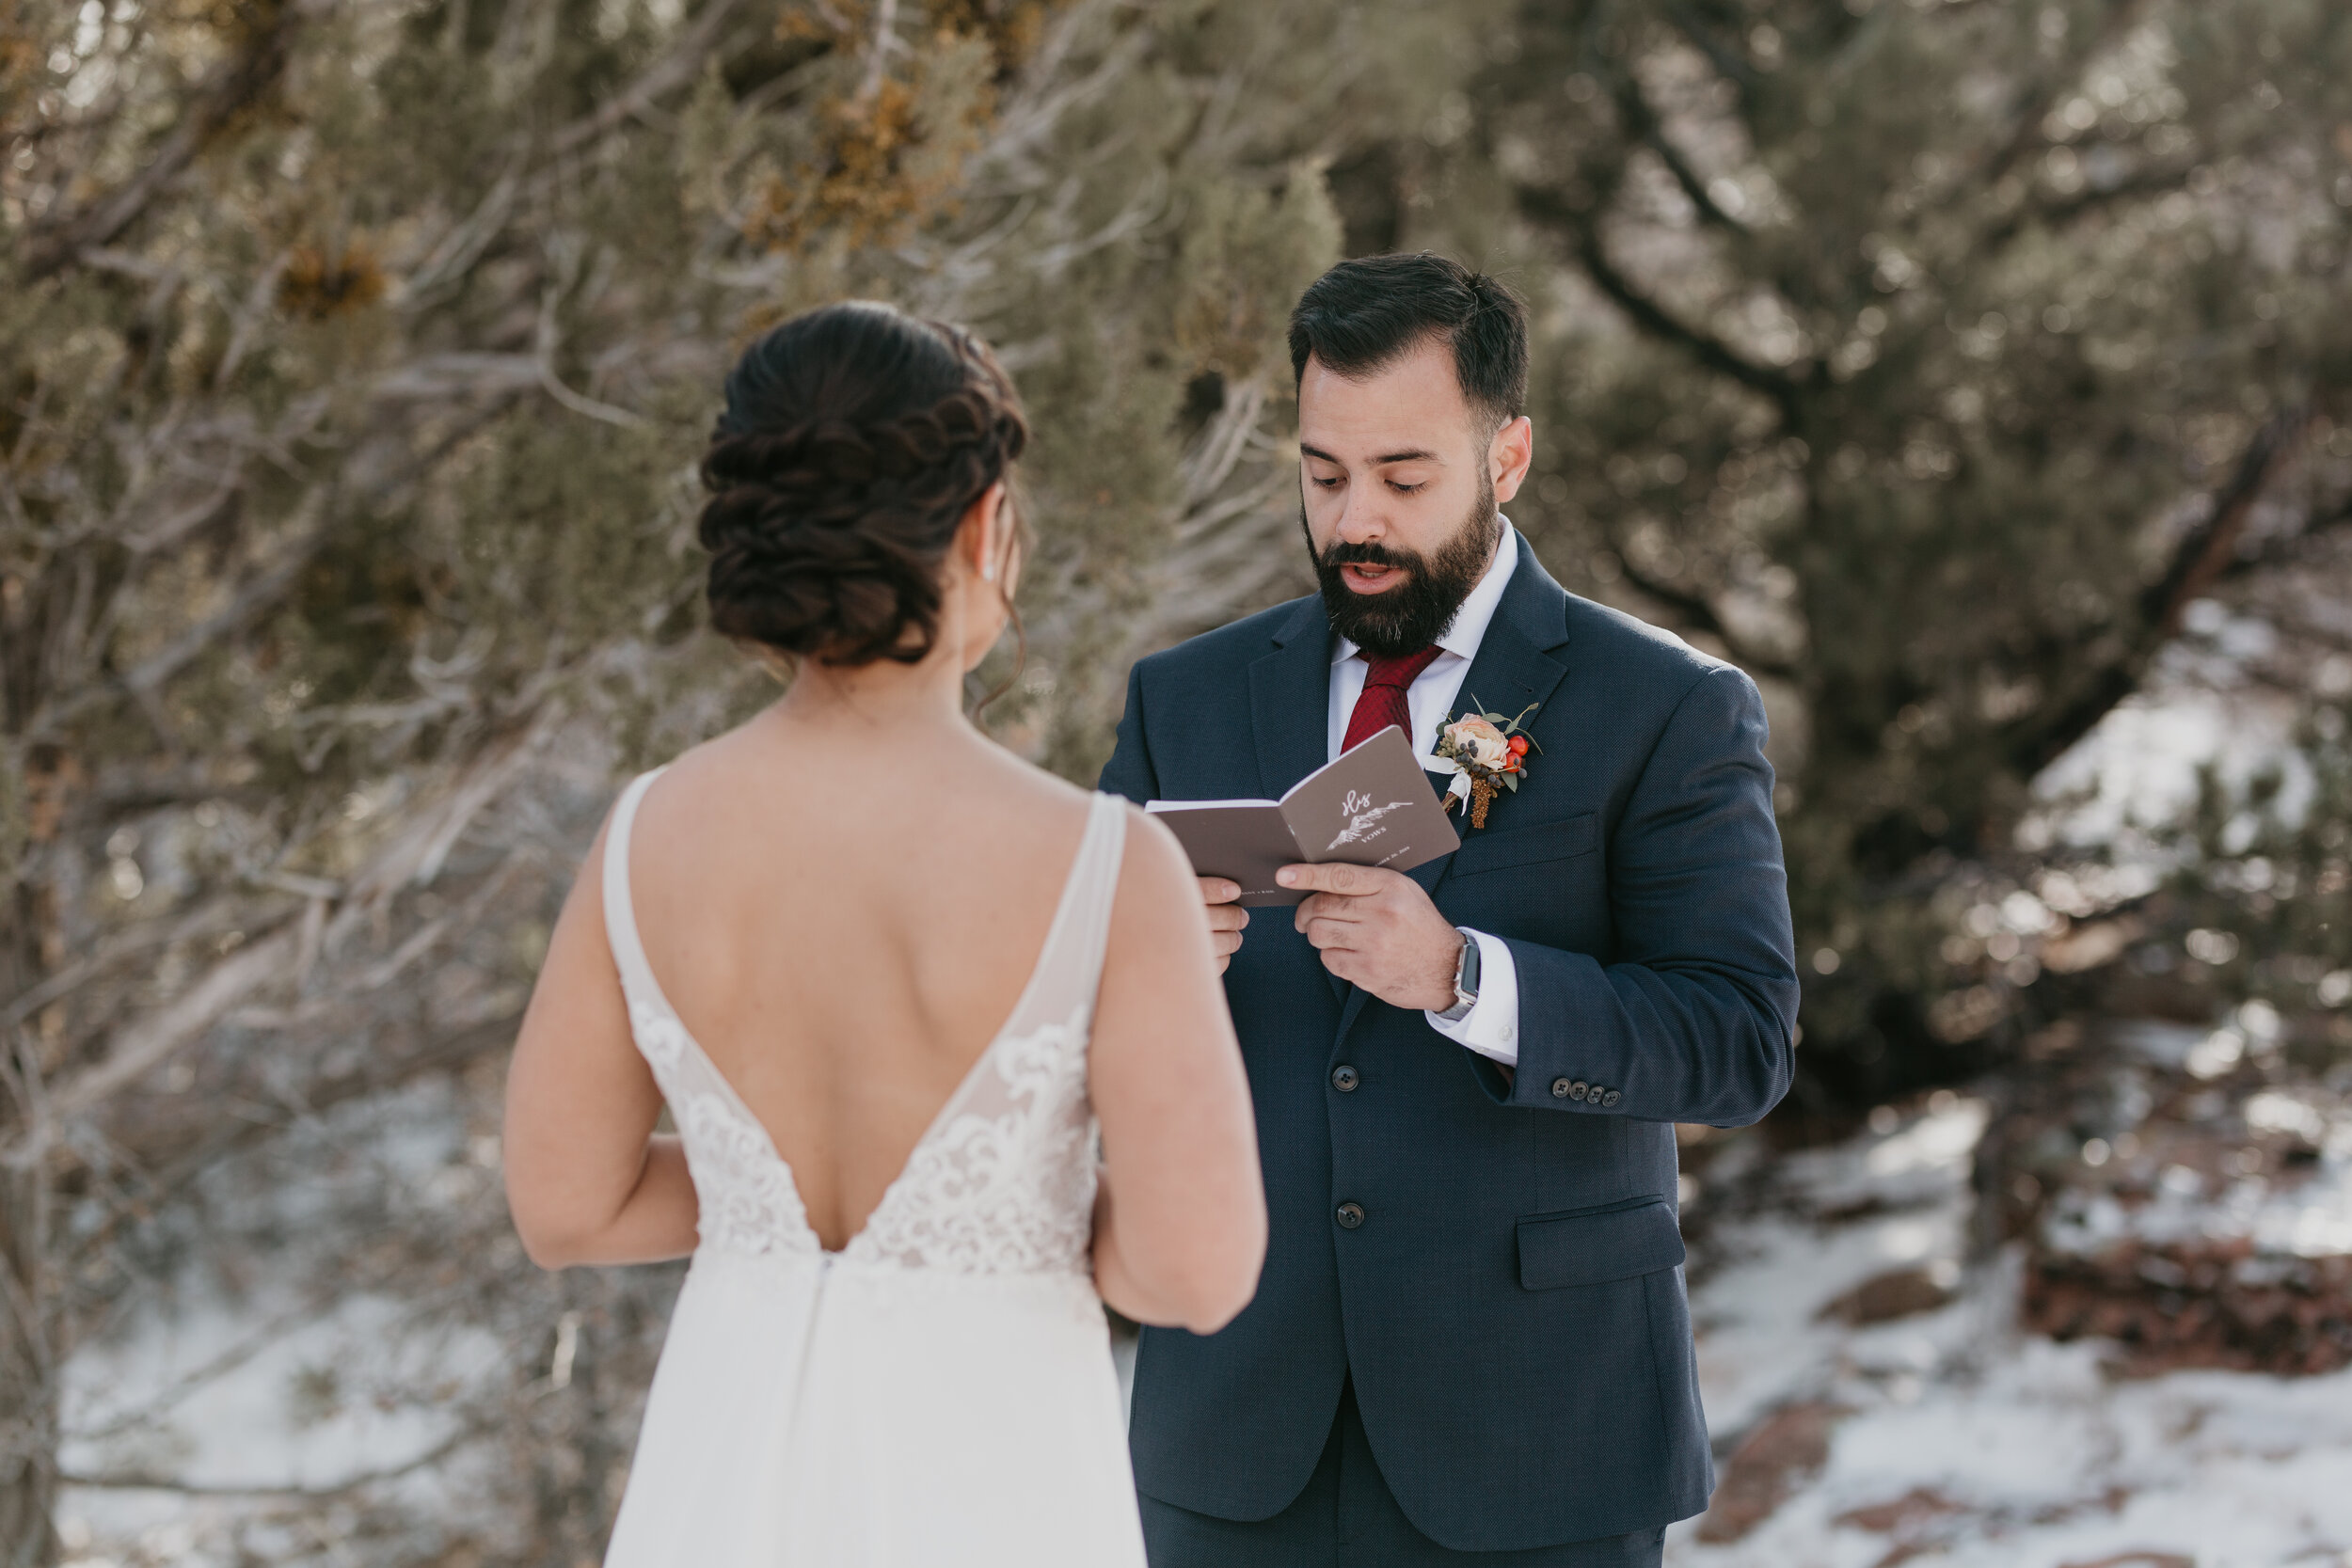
1180,1230
587,1179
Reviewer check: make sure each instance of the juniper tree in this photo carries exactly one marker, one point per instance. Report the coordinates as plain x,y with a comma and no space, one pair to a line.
1930,359
354,360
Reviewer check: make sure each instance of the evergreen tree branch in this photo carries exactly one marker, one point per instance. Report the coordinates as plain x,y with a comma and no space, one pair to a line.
2198,561
2277,550
1729,63
227,90
2038,101
2057,215
1582,232
1697,611
2208,549
1651,133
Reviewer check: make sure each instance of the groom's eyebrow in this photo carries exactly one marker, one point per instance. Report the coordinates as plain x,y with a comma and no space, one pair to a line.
1417,455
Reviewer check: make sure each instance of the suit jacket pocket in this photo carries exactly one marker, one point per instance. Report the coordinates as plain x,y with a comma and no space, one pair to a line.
1593,1246
1512,847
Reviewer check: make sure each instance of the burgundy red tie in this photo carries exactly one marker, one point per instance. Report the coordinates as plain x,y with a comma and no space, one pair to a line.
1383,701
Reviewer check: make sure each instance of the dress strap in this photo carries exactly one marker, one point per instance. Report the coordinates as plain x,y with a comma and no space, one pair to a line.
1094,888
620,912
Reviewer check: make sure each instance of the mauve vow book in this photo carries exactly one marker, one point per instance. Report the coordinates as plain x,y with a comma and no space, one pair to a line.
1373,805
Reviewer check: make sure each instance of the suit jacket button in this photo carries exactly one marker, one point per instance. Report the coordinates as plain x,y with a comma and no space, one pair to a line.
1559,1087
1344,1078
1578,1089
1608,1099
1351,1215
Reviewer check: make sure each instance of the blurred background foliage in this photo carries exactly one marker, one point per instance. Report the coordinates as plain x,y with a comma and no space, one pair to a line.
1972,372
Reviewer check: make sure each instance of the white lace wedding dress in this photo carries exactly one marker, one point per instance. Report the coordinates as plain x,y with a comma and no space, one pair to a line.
940,1391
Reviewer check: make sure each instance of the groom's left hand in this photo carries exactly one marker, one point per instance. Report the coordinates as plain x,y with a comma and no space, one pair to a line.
1378,929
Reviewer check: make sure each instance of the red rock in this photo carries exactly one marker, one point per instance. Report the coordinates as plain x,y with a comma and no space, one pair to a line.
1786,1447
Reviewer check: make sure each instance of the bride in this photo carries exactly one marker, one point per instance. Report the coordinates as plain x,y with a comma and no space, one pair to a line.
887,978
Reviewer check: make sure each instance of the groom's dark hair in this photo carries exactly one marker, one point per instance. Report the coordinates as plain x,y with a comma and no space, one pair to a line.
1364,316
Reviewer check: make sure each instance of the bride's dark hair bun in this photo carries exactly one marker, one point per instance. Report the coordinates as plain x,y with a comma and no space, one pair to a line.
854,439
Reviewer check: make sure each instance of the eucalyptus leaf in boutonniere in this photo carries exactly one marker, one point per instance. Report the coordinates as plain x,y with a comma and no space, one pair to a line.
1490,755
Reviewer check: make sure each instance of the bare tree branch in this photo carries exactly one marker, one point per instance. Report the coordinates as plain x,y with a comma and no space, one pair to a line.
877,51
152,1481
259,595
144,1044
666,75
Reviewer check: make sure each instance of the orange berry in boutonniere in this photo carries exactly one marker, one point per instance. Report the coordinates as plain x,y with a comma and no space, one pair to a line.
1488,754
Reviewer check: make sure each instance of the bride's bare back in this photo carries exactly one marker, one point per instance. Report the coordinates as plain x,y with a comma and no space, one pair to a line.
844,953
844,937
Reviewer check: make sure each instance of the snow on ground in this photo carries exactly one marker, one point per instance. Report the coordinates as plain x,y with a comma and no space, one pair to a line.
1954,1440
245,1402
1921,1426
256,1375
234,1394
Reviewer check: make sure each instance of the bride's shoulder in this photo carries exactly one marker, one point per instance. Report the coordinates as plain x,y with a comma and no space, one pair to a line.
1051,789
1152,853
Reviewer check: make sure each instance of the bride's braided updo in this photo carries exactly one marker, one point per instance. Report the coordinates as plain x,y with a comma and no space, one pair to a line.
854,439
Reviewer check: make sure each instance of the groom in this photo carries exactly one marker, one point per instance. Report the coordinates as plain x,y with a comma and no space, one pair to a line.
1470,1343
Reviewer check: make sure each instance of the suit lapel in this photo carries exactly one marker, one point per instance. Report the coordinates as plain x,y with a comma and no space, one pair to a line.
1518,662
1290,713
1290,702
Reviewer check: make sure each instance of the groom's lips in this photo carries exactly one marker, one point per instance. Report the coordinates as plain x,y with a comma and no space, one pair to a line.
1366,578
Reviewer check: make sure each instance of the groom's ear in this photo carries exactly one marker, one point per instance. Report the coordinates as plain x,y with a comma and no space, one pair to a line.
1509,455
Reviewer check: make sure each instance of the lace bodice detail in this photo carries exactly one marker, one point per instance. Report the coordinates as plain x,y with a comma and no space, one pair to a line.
1003,1180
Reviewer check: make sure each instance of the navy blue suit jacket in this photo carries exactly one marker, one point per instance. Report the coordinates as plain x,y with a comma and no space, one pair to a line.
1511,1307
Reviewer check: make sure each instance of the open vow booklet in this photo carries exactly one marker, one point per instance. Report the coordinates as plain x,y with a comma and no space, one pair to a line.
1371,805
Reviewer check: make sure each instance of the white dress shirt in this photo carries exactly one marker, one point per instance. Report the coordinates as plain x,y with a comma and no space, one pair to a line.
1491,1027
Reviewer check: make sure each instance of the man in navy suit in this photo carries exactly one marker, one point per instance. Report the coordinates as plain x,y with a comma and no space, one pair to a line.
1470,1343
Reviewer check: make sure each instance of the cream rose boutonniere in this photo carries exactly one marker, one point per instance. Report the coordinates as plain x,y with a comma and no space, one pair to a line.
1490,755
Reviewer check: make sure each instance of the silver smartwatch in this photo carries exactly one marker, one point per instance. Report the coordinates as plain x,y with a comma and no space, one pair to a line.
1465,981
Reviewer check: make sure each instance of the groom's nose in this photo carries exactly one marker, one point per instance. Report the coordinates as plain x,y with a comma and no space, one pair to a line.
1360,521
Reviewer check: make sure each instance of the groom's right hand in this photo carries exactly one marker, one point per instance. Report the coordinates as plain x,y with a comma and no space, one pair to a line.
1226,917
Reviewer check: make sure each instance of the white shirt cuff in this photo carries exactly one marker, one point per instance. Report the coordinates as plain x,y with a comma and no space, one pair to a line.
1491,1027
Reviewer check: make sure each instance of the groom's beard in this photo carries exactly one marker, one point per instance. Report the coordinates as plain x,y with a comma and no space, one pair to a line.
1416,612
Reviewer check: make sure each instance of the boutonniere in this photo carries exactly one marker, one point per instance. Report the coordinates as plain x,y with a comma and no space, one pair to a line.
1490,755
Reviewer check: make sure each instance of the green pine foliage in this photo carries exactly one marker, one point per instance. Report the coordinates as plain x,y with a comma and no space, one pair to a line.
1929,359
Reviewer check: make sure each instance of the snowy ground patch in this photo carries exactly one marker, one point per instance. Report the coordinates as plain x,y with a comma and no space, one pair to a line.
1943,1436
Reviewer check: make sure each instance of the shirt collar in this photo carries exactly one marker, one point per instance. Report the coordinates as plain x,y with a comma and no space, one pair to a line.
1470,624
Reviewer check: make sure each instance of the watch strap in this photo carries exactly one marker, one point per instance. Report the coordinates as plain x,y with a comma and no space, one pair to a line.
1466,968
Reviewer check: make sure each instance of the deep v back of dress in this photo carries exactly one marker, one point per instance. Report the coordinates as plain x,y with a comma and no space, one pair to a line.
938,1392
